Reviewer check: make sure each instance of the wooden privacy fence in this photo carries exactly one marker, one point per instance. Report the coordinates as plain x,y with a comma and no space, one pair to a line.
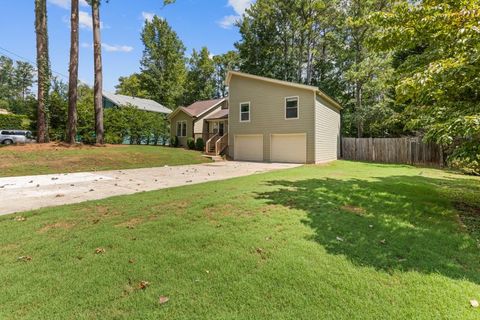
392,150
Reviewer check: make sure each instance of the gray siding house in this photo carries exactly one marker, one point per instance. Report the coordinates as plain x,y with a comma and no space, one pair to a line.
266,120
277,121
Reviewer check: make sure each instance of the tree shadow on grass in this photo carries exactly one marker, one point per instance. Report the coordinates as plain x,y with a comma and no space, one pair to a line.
404,223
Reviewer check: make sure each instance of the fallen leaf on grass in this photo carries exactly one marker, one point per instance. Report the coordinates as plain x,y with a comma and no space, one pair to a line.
143,285
131,261
20,219
24,258
340,239
383,241
99,251
474,303
163,299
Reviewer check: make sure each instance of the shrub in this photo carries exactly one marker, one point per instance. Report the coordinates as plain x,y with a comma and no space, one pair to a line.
191,143
12,121
466,158
200,144
89,138
174,142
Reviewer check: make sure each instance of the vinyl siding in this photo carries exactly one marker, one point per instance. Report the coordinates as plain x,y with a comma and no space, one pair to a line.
267,112
173,127
327,131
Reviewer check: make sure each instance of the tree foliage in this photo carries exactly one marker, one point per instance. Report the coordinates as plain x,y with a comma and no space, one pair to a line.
163,63
16,81
438,68
200,84
132,86
224,63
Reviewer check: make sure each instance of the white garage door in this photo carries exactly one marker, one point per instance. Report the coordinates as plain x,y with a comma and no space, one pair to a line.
289,148
248,147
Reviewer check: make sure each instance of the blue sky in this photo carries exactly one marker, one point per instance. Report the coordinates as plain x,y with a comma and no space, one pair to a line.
197,22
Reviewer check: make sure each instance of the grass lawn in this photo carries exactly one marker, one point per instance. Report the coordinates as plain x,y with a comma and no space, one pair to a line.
52,158
342,241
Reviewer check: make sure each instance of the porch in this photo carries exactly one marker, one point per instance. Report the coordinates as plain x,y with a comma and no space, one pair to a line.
216,133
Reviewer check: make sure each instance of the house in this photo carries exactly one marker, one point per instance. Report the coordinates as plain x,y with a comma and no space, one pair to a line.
111,100
274,121
202,119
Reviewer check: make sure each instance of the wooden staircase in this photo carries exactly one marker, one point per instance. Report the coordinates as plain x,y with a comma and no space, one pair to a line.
216,145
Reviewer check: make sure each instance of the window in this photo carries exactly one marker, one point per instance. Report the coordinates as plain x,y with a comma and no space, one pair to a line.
291,108
245,112
181,128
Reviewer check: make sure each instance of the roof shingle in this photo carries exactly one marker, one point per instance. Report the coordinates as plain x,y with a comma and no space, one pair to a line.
200,107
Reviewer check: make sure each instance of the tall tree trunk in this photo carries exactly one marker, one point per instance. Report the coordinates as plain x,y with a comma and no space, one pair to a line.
358,108
73,76
98,85
42,67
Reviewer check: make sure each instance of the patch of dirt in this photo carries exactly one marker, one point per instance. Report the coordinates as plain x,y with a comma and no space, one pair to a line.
58,225
469,216
171,206
355,210
130,224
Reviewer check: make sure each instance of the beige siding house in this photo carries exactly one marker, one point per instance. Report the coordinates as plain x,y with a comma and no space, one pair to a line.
193,121
277,121
264,120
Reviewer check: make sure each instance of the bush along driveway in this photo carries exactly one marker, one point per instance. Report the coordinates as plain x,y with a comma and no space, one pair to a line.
343,241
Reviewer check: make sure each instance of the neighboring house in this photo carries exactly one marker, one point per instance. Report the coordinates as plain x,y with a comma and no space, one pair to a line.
202,119
111,100
273,121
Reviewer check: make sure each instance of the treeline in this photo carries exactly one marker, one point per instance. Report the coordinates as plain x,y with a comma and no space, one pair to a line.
171,78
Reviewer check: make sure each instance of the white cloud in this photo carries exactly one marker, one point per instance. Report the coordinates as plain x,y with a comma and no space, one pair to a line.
116,48
148,16
65,4
239,6
108,47
85,20
228,21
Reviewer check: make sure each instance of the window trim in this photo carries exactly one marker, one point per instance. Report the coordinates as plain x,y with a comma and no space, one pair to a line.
249,111
298,107
181,122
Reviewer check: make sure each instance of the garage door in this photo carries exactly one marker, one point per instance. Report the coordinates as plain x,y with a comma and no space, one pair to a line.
248,147
289,148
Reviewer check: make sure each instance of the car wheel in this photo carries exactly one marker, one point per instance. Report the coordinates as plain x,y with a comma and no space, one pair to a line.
8,141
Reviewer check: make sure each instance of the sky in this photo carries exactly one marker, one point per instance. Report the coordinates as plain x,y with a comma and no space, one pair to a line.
197,22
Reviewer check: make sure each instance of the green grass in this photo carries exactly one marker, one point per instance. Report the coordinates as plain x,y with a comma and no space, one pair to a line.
343,241
28,160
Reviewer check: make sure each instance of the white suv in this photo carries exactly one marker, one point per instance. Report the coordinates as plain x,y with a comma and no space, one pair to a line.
15,136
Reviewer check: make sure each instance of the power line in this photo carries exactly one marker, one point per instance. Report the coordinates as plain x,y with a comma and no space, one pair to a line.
33,64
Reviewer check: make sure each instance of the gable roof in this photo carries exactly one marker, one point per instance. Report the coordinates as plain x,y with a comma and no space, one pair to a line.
284,83
219,114
197,109
139,103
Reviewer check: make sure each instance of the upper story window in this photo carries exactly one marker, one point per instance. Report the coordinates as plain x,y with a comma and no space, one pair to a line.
291,108
181,128
245,112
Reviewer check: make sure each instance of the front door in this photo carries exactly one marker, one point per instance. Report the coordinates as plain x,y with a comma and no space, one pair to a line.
221,129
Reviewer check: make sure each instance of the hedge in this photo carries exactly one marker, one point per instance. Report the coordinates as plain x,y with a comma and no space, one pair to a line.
12,121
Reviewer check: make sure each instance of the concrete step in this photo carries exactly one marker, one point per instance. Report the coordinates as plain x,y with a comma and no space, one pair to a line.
214,157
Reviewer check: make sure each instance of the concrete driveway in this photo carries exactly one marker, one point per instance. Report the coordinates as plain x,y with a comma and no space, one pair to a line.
33,192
